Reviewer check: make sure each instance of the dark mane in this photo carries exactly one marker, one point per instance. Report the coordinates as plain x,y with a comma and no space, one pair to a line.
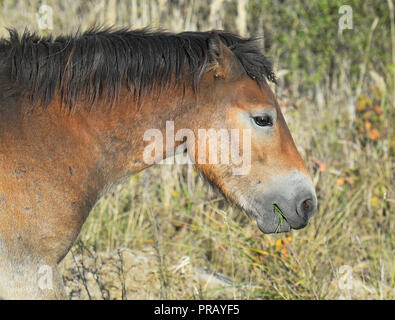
97,63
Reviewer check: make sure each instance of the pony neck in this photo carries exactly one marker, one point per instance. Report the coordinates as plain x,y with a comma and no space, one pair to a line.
111,140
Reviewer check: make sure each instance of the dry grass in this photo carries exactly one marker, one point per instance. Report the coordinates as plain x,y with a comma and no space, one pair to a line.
168,216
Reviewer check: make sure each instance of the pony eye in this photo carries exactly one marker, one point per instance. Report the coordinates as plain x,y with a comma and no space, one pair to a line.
264,121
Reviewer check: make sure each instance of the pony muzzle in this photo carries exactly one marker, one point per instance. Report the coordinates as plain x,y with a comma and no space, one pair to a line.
289,203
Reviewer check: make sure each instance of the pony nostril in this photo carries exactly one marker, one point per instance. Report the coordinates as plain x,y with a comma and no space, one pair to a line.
306,208
307,204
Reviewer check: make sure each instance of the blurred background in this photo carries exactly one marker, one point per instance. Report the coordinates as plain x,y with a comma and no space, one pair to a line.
165,234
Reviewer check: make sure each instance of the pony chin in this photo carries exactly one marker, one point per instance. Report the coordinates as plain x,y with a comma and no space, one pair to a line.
270,224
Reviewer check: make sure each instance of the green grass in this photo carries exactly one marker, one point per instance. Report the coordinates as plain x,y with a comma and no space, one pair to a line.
281,217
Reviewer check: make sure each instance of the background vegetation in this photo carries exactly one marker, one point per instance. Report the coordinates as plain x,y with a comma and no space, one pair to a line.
337,91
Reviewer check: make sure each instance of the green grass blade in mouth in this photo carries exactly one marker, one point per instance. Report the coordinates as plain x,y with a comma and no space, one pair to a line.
281,217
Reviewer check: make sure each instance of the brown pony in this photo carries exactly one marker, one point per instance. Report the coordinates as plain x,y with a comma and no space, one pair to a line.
73,116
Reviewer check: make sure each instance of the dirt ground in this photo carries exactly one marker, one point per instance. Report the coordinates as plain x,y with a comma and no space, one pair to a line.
142,274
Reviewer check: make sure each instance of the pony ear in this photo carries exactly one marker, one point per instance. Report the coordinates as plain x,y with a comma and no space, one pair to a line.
224,63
